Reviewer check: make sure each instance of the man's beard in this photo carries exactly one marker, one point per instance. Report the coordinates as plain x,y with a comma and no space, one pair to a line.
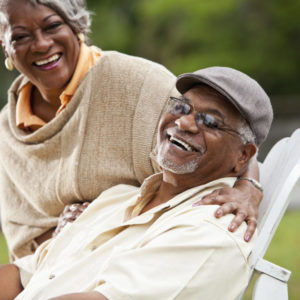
184,168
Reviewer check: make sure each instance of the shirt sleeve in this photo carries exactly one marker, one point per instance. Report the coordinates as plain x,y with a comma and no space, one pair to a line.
187,261
27,265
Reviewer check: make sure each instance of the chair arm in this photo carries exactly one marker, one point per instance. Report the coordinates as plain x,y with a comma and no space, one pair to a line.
271,283
263,266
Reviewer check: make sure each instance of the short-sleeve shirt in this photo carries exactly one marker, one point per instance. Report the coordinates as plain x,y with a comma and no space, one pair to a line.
172,251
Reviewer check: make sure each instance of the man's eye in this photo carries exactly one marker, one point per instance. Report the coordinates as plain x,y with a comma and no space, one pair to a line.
180,108
210,121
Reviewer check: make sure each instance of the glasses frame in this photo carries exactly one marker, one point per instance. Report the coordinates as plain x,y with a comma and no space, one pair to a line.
223,127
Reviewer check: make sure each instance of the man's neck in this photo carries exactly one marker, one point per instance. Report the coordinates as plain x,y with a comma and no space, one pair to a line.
171,186
175,184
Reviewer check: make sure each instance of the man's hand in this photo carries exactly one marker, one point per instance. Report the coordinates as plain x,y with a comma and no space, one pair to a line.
243,200
69,215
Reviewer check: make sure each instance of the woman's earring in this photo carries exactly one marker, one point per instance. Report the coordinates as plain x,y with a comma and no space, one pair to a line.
81,37
9,64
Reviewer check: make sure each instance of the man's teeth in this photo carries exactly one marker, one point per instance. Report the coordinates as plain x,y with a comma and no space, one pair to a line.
47,61
181,143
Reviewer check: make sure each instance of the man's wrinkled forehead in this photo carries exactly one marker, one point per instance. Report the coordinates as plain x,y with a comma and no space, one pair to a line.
203,91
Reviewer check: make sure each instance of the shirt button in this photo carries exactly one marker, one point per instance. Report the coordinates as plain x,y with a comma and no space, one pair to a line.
51,276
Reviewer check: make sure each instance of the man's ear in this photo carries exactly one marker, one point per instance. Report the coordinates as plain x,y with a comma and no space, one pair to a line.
245,153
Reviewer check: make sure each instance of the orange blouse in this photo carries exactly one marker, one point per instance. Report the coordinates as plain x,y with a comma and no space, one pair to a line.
25,118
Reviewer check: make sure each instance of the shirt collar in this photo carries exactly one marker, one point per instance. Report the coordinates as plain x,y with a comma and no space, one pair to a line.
151,185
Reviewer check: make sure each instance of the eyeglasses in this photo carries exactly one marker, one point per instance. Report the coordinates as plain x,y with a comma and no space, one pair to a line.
178,107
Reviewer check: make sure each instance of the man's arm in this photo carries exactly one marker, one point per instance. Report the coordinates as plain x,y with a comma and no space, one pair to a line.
10,282
243,200
81,296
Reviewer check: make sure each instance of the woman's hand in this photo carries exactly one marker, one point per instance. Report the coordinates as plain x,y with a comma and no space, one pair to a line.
243,200
70,214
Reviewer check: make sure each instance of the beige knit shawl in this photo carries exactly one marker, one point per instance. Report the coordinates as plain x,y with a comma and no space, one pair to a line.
102,138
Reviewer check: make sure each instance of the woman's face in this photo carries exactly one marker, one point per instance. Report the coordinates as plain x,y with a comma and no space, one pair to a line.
42,46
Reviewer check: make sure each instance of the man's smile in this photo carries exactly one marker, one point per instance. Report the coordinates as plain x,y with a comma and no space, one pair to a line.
181,144
183,141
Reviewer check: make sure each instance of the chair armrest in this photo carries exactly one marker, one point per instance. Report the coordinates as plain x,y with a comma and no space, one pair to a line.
263,266
271,283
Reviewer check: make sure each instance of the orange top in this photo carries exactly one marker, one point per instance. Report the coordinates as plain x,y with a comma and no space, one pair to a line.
25,118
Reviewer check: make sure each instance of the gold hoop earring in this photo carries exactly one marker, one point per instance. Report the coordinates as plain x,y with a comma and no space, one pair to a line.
81,37
9,64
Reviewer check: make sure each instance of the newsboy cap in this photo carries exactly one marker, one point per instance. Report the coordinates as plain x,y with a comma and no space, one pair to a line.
241,90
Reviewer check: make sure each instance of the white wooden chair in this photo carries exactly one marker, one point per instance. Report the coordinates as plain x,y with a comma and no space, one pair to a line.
280,172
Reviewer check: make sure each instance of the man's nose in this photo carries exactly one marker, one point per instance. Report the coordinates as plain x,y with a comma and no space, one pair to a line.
187,123
41,42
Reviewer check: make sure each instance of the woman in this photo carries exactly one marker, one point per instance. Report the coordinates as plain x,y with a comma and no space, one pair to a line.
78,120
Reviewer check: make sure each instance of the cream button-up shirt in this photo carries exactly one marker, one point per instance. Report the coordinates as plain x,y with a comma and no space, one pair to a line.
173,251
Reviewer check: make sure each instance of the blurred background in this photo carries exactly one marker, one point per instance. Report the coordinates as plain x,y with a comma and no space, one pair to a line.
260,38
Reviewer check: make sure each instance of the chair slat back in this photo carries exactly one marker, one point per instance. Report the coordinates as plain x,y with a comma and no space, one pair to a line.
279,174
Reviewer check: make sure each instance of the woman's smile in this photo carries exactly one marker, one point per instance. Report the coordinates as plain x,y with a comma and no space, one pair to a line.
49,63
40,42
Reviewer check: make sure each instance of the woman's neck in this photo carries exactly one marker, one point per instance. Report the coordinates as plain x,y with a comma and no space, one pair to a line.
45,105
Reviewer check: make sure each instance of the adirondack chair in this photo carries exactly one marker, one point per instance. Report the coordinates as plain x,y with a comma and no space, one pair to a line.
280,172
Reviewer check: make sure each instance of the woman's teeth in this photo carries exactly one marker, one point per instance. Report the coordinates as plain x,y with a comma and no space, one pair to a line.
47,61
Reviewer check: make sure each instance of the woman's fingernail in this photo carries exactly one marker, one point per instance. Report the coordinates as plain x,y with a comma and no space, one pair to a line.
195,204
247,238
232,228
219,213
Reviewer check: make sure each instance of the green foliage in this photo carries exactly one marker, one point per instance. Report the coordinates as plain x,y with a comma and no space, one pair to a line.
3,250
261,38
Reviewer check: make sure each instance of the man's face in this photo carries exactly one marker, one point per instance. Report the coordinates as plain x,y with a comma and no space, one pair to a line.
191,143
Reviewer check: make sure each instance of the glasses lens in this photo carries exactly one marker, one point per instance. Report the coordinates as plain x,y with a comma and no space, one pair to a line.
178,107
207,119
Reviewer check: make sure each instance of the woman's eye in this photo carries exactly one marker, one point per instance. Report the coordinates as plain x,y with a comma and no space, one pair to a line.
53,26
18,37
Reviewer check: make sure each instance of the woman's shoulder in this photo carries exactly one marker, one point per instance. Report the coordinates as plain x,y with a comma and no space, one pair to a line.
18,84
120,61
13,90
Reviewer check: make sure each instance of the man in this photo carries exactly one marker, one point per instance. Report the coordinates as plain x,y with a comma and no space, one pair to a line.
153,242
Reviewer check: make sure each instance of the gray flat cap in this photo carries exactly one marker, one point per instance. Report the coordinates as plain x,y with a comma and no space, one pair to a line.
241,90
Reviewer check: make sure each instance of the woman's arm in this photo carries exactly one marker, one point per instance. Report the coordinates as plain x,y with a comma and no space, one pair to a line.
70,214
243,200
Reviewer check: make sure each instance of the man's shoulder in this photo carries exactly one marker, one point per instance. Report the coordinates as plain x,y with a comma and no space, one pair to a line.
120,189
115,196
201,219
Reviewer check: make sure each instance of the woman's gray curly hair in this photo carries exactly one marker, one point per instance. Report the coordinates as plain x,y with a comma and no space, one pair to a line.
74,13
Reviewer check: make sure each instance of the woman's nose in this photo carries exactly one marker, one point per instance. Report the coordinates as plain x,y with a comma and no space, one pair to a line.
41,42
187,123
